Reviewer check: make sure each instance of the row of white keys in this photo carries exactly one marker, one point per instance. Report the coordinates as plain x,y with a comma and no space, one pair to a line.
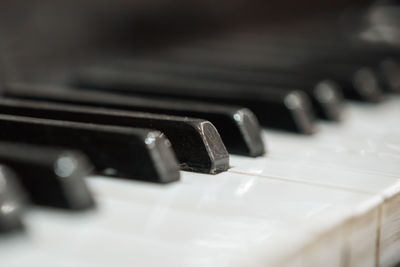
201,221
285,208
360,155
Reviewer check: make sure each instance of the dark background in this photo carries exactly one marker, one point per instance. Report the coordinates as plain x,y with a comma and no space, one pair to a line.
41,37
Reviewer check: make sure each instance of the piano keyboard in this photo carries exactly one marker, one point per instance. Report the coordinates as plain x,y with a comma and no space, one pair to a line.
236,150
335,205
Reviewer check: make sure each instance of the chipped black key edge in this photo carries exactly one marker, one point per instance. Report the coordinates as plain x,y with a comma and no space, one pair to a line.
216,149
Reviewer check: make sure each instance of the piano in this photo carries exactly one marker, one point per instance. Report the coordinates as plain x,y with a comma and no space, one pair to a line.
201,133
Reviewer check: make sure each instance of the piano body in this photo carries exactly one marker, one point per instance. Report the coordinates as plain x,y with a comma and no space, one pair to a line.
305,190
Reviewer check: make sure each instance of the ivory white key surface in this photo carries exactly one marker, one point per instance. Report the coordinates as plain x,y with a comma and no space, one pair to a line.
330,199
201,221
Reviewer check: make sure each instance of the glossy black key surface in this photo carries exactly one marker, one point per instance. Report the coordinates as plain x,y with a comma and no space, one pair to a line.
51,177
237,126
11,201
326,96
283,109
195,142
128,152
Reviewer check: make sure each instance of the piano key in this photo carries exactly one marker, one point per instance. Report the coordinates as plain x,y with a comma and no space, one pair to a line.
51,177
194,141
128,152
220,218
237,126
358,82
361,83
313,33
316,48
318,53
300,200
390,69
11,201
326,96
383,59
283,109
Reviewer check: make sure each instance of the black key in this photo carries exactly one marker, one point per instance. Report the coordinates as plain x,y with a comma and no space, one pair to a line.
237,126
390,70
52,177
282,109
295,48
326,96
347,48
11,201
195,142
357,82
380,59
129,152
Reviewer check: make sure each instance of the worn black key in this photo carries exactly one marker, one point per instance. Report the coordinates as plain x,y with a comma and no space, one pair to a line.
52,177
237,126
196,142
129,152
11,201
283,109
326,96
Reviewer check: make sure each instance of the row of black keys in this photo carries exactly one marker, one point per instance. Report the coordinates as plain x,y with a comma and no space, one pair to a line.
108,127
112,140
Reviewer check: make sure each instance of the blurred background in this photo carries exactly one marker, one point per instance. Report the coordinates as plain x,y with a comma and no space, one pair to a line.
40,39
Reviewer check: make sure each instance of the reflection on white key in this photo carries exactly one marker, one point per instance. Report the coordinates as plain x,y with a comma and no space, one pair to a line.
309,200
